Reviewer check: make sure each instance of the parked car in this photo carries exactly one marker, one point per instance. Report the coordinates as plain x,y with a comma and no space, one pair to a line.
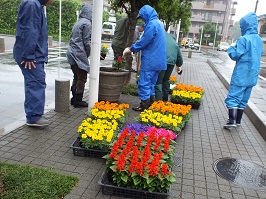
195,46
108,30
223,46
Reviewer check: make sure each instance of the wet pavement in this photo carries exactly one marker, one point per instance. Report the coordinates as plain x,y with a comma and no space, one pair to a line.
200,144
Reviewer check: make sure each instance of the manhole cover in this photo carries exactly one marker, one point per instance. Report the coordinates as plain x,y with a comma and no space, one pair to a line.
241,172
177,162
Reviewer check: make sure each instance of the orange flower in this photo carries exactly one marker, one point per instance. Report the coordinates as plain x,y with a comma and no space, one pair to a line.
190,88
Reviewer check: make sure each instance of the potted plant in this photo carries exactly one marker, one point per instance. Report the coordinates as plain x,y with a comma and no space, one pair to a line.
97,132
139,166
166,115
104,51
111,81
172,81
187,94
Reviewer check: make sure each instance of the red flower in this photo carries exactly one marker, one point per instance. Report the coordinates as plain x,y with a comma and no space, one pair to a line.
119,59
165,170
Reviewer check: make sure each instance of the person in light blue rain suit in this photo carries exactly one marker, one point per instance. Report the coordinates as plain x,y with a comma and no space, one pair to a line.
152,45
247,54
31,53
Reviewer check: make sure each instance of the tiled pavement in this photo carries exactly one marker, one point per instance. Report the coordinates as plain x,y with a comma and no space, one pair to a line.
202,141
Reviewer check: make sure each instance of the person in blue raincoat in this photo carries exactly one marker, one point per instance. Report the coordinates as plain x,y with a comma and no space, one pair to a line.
247,54
78,53
153,55
30,51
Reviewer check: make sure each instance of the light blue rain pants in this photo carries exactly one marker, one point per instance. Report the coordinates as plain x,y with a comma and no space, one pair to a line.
147,82
238,97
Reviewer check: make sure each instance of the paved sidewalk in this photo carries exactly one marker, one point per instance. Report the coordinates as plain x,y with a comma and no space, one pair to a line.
199,145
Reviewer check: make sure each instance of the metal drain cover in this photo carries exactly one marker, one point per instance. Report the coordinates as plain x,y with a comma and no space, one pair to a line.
241,172
177,162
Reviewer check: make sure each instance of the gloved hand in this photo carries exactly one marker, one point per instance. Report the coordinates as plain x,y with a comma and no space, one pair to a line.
127,50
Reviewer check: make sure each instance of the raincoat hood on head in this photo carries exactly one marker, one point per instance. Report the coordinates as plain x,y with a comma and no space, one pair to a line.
86,12
249,24
147,13
42,2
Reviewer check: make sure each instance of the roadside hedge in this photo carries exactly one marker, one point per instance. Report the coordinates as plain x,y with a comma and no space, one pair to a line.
9,9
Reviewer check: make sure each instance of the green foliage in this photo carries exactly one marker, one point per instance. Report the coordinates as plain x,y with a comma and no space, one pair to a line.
105,16
119,16
68,18
8,16
170,11
131,89
9,11
24,182
209,28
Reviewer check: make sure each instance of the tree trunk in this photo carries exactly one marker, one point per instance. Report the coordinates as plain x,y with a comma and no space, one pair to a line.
2,186
132,24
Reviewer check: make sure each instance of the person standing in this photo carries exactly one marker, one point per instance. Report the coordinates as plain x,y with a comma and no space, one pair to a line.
30,51
173,57
119,40
78,53
153,55
247,54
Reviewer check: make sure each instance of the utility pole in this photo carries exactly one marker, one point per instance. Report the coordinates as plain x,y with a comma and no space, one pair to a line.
215,35
256,6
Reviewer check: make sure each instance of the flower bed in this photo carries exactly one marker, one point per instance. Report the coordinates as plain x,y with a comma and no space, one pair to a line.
166,115
187,94
148,129
100,129
141,162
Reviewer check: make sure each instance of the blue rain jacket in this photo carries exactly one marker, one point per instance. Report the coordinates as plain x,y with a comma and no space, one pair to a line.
247,53
152,43
80,41
31,33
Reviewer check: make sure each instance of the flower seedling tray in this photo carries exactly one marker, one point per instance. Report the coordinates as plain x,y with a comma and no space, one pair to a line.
78,150
108,188
195,105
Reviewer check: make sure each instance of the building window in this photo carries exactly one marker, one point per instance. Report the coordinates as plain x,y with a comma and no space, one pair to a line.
208,16
210,2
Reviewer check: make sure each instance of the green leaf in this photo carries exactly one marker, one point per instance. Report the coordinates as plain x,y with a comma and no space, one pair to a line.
136,181
149,180
124,177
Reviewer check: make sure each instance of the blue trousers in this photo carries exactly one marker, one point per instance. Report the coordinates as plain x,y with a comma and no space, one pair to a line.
147,81
238,96
34,85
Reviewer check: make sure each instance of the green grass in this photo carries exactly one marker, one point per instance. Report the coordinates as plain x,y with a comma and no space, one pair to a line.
27,182
131,89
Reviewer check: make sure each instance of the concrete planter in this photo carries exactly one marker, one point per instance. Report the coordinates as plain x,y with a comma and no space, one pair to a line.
111,82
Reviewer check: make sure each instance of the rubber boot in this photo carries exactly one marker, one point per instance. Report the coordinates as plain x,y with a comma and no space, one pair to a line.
144,104
152,99
78,102
239,116
231,122
73,98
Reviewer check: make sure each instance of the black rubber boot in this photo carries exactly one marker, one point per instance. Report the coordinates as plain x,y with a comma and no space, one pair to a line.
73,98
232,118
78,102
152,99
144,104
239,116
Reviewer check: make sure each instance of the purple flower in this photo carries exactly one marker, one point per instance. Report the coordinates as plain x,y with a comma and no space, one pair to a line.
147,129
137,127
